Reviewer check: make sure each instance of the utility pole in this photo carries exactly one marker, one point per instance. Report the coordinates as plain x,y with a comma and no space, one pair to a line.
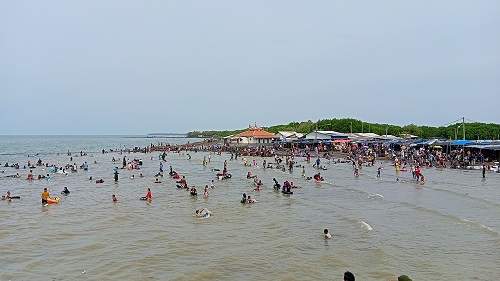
456,131
386,129
362,127
316,138
463,126
351,127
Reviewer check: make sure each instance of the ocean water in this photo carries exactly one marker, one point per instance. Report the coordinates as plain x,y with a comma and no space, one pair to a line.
447,229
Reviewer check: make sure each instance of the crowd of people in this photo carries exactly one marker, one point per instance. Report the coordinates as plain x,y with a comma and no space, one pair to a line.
358,156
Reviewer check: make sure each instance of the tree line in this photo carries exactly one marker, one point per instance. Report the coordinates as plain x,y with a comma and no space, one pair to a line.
473,131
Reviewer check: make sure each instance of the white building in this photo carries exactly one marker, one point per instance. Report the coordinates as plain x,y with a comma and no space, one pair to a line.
288,136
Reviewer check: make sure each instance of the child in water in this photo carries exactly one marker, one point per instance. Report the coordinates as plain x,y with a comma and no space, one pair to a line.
114,198
326,234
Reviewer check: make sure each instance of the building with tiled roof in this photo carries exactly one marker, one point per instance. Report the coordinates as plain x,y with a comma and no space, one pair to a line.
255,136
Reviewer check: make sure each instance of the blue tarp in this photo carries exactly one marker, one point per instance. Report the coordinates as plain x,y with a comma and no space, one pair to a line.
391,142
461,142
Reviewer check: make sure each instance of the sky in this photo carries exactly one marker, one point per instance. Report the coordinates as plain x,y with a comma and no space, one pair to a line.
137,67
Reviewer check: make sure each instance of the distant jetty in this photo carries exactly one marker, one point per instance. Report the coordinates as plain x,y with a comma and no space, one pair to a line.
166,135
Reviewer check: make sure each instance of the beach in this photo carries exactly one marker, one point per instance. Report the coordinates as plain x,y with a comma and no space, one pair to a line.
446,229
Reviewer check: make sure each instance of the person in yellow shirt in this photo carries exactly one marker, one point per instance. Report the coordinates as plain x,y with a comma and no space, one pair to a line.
45,196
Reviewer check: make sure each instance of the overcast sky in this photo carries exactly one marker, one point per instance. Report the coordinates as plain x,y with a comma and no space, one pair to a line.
136,67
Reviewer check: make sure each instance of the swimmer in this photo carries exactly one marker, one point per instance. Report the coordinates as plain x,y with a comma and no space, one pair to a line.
193,191
206,191
7,197
203,213
114,198
326,234
157,180
65,191
251,200
244,199
212,184
276,184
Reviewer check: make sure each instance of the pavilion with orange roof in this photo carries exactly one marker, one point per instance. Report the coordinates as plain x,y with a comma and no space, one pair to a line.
255,136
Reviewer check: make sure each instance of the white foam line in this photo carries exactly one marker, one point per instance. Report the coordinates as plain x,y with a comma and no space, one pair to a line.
370,195
367,226
487,228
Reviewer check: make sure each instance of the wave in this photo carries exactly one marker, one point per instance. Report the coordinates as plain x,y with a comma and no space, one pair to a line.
375,195
369,194
482,226
365,225
466,196
456,219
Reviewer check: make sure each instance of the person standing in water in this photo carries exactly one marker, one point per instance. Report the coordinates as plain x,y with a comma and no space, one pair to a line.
45,196
149,197
116,173
206,191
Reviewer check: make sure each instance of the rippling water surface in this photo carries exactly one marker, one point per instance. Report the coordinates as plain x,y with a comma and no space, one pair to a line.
447,229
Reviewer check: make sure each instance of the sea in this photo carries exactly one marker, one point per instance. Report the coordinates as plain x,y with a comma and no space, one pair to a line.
446,229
